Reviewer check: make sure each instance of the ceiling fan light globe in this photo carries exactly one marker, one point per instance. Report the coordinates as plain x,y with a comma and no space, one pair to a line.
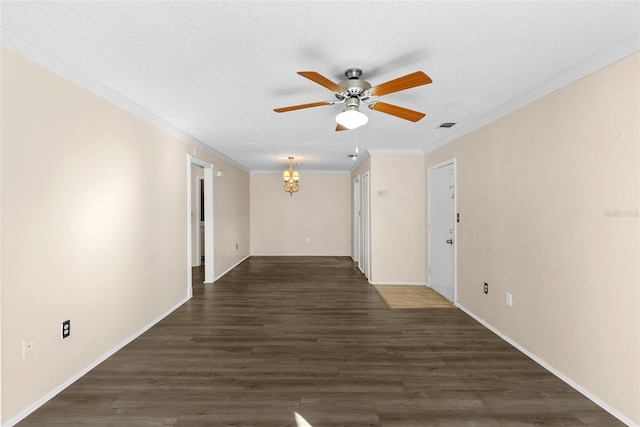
351,119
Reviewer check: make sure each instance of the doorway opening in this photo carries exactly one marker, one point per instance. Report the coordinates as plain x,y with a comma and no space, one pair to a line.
366,229
199,211
200,245
356,219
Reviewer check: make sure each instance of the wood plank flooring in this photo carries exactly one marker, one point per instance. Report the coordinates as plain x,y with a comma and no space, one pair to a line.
309,334
400,297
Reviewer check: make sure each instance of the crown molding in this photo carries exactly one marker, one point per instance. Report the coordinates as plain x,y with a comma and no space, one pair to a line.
302,171
572,74
361,159
68,72
394,152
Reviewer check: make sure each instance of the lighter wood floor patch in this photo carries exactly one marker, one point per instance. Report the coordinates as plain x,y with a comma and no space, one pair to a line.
404,297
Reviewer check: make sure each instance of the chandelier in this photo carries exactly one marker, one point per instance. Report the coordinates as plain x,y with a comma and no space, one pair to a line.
291,179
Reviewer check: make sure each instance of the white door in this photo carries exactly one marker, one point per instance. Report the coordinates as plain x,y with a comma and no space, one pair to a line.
365,225
356,219
441,210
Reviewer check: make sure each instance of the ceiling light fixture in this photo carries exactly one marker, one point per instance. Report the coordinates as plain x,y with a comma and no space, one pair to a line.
291,179
351,117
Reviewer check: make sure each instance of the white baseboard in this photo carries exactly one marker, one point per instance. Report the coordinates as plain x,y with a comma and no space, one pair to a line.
399,283
44,399
551,369
303,255
231,268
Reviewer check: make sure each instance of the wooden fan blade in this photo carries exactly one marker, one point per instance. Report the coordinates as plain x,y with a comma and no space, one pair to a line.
394,110
323,81
407,82
339,127
301,106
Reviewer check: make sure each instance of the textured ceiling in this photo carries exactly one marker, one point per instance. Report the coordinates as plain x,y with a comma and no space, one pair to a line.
213,71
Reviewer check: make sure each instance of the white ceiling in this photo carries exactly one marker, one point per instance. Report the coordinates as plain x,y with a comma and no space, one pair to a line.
213,71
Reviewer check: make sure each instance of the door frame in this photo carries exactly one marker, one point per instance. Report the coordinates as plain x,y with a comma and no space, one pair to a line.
356,219
366,226
455,224
200,246
208,221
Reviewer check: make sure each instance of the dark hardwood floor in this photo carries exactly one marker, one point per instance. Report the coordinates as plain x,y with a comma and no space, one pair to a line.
308,334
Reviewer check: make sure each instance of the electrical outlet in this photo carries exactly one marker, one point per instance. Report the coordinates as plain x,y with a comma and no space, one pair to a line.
306,240
509,299
66,328
486,288
27,347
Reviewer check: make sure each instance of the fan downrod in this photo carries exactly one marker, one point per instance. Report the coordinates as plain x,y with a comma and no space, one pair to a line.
353,73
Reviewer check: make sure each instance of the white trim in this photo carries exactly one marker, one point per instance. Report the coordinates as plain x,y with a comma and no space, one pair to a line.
398,283
189,230
443,163
232,267
366,209
454,162
550,368
297,255
44,399
388,152
209,258
306,172
68,72
355,215
360,161
395,152
564,78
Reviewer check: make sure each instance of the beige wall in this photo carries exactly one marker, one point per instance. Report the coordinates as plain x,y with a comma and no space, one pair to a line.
398,219
538,192
319,211
94,227
231,204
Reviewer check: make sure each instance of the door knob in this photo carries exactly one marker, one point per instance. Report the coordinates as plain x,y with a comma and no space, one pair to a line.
450,241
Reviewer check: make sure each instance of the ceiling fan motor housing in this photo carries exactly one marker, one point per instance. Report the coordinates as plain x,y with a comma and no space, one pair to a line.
354,86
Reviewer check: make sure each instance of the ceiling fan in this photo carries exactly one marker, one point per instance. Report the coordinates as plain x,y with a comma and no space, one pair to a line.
353,92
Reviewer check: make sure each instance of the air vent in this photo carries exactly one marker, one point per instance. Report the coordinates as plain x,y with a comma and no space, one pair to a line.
447,125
